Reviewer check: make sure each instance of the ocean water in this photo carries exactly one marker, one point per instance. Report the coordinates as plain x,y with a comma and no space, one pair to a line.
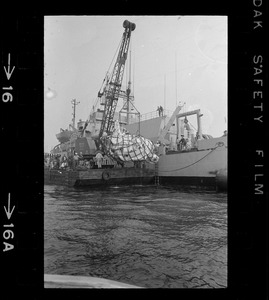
148,236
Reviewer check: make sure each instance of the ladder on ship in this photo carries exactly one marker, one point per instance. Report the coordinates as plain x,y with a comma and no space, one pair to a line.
156,177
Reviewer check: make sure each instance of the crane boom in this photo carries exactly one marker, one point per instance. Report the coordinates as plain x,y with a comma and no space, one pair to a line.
169,124
113,90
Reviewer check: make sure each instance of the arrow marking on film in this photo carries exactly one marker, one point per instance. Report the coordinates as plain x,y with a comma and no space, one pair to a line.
8,212
7,71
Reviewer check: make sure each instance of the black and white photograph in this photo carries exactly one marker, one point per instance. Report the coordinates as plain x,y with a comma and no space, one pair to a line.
135,141
116,173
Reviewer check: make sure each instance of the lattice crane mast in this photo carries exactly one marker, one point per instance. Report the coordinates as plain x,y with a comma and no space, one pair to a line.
113,89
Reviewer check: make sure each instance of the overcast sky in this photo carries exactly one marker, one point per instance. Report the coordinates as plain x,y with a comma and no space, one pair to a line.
174,58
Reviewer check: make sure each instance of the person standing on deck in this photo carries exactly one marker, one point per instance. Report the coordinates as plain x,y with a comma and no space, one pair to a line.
182,143
76,158
57,158
106,160
99,159
69,162
161,111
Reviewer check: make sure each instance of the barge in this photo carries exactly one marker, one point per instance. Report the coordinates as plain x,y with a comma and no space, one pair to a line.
100,177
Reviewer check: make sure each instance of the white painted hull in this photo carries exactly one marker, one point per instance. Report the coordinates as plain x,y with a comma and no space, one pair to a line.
193,167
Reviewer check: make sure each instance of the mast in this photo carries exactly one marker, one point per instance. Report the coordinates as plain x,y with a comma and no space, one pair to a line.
75,103
176,75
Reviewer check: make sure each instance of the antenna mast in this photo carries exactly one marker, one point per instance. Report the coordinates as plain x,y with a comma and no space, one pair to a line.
176,75
75,103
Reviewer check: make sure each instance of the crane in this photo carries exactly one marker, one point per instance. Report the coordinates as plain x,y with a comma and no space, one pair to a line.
113,89
169,124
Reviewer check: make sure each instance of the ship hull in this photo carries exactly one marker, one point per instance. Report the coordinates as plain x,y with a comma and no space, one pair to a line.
99,177
194,168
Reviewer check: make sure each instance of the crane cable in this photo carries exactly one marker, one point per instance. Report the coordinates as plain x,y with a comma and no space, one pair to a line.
106,76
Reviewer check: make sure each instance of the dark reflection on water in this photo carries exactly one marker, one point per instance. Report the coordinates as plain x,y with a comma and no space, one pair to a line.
141,235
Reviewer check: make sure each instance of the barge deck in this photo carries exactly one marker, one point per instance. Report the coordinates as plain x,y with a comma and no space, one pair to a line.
99,177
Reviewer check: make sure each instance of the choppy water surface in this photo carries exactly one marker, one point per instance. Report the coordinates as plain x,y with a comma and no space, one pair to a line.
146,236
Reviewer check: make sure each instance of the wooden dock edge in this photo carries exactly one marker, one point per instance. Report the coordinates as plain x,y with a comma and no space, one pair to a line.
82,282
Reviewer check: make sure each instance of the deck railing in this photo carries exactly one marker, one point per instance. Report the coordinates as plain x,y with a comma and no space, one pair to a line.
150,115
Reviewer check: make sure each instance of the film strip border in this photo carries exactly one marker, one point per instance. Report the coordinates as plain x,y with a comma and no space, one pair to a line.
22,150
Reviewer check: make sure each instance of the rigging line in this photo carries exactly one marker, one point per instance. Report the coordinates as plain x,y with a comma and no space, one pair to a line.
192,126
111,64
166,47
192,163
95,102
125,74
169,72
133,69
164,104
115,53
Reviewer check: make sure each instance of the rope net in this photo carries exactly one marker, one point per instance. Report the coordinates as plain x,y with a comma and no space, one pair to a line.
128,147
